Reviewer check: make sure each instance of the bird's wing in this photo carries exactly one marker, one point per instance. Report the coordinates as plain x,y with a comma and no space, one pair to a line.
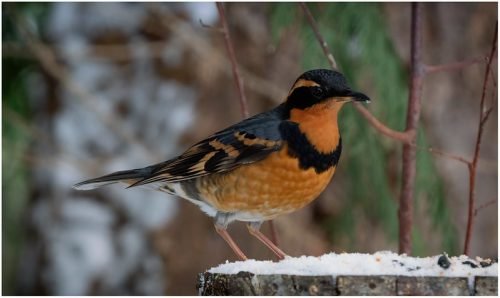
246,142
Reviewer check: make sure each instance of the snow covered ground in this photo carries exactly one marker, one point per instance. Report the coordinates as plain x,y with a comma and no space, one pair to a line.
379,263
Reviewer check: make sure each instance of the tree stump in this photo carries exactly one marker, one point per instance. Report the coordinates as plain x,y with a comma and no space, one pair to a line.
246,283
354,274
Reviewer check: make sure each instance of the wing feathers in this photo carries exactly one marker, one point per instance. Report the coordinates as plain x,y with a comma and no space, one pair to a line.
246,142
121,176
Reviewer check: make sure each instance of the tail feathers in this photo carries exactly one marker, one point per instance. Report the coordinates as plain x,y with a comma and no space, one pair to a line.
129,177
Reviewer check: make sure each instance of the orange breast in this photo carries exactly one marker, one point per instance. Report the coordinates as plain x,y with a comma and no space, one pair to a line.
273,186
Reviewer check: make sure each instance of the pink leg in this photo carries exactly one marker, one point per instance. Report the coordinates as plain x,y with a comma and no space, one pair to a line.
225,235
254,231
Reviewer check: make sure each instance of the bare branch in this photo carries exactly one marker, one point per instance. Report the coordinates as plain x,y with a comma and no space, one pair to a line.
393,134
430,69
483,117
412,118
494,81
229,46
487,204
112,52
239,85
122,53
48,61
57,154
408,137
382,128
31,130
206,26
446,155
319,37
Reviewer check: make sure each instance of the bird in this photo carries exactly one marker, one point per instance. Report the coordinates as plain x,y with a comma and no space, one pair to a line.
267,165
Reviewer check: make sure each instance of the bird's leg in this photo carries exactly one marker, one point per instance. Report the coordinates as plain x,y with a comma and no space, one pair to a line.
254,229
221,223
225,235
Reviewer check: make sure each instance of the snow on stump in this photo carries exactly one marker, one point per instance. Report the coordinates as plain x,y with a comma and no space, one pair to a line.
381,273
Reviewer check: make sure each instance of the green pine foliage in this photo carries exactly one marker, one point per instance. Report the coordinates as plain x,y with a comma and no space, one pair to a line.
357,36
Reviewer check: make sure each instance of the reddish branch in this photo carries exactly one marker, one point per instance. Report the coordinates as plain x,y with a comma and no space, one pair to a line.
429,69
382,128
409,136
239,85
447,155
230,50
412,117
322,42
482,206
483,117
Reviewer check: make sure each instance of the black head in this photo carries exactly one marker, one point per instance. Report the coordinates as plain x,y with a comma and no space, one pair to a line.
320,85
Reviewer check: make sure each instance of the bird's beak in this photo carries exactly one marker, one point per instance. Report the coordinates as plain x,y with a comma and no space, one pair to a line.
358,96
352,96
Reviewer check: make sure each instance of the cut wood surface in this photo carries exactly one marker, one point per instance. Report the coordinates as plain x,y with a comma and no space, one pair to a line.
246,283
381,273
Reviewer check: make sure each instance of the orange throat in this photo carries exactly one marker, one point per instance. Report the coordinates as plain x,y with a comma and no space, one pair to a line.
319,124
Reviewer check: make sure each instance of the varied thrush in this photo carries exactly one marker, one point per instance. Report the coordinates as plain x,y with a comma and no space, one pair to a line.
267,165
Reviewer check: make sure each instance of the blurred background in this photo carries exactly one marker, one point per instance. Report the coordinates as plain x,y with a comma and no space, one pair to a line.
92,88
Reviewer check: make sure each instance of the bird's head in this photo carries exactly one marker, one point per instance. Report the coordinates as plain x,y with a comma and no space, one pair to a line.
322,87
314,102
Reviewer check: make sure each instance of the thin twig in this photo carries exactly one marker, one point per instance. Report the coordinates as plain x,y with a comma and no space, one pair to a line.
18,121
185,32
35,134
383,129
394,134
446,155
455,157
494,81
111,52
493,97
48,61
322,42
430,69
408,137
229,46
206,26
239,85
121,53
482,206
409,171
483,117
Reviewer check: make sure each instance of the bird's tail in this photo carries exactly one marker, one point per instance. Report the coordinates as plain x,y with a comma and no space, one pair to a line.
129,177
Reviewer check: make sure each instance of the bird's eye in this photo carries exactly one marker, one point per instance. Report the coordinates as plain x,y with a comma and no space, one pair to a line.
317,92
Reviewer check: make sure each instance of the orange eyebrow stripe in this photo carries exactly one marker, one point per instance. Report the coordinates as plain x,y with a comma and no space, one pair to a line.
303,83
